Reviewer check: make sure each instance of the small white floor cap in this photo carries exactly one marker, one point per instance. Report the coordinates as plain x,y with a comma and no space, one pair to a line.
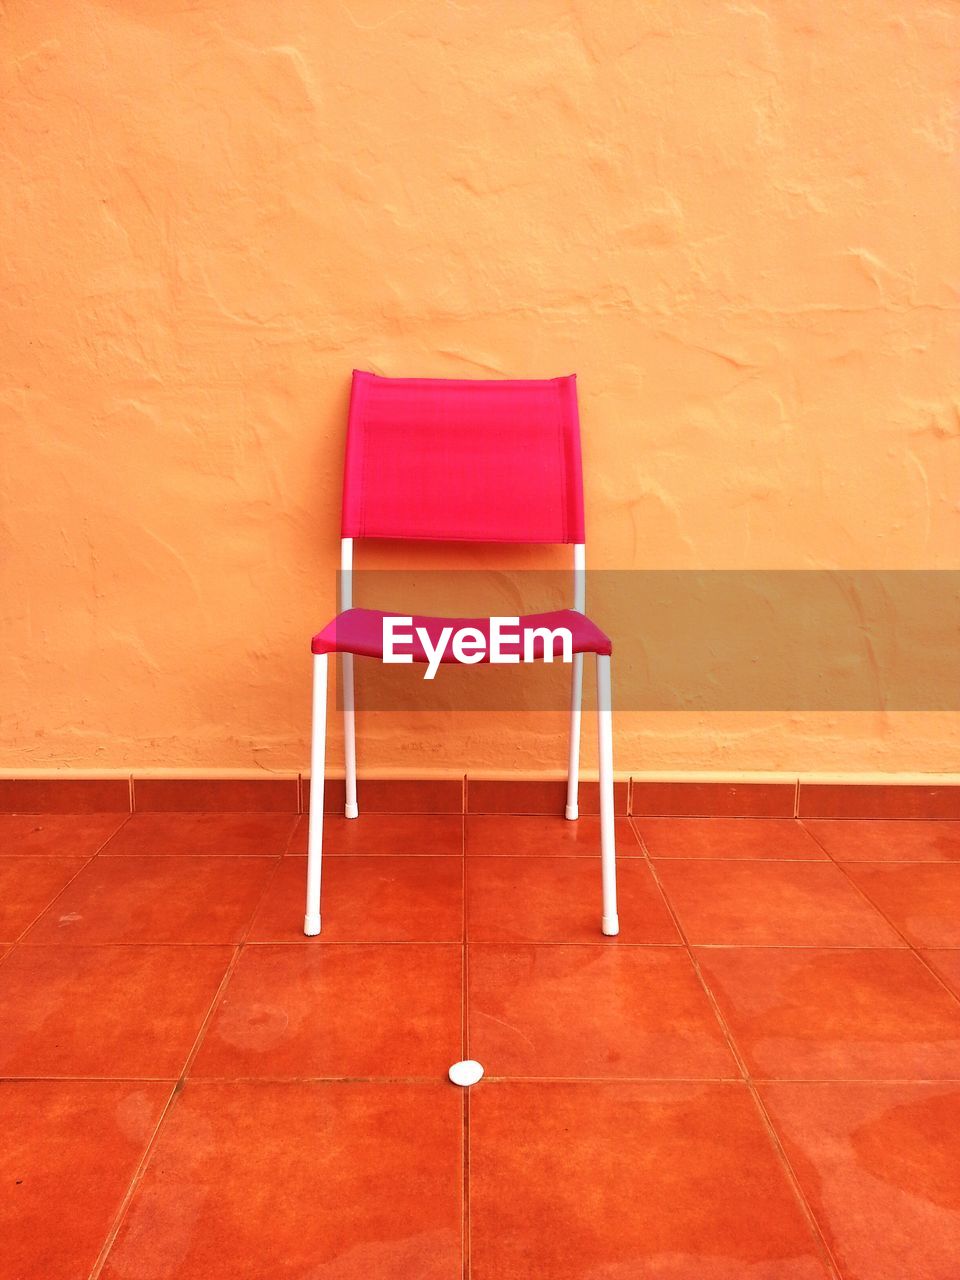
466,1072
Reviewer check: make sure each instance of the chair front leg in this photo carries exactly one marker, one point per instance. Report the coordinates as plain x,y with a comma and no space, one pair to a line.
608,847
318,749
573,767
349,739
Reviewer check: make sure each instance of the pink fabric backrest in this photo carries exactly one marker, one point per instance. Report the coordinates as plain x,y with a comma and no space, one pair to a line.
452,459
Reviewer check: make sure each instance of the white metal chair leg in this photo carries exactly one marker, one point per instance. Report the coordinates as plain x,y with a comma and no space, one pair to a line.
573,766
608,849
576,695
349,716
349,738
318,750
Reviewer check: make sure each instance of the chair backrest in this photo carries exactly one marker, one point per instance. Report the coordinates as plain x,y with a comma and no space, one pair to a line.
463,460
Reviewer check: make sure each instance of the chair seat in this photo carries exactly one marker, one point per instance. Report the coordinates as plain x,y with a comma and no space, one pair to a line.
360,631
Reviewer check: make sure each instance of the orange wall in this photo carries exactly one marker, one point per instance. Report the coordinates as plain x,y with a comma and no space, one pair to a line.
737,222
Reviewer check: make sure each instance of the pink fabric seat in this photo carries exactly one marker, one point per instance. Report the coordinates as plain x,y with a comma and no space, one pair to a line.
360,631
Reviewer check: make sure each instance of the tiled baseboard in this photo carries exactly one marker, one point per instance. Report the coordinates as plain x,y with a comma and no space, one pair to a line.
858,800
782,796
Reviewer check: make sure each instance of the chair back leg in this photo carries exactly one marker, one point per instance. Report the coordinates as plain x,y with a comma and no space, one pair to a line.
318,750
608,849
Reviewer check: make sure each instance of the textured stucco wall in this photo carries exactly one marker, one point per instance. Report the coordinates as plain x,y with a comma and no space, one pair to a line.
737,222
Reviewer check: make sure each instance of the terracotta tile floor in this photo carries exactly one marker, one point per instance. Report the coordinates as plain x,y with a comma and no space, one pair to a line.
759,1078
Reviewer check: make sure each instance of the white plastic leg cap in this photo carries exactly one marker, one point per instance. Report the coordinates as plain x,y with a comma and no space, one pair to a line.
466,1072
572,812
311,926
351,811
611,926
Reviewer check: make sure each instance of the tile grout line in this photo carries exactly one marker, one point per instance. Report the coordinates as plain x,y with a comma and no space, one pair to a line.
176,1089
181,1080
53,901
728,1035
465,1051
782,861
842,868
170,1080
793,1180
888,819
933,972
209,1015
853,1082
464,971
63,888
456,942
113,1232
466,1238
113,835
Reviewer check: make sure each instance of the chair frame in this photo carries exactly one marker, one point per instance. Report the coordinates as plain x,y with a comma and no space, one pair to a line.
609,921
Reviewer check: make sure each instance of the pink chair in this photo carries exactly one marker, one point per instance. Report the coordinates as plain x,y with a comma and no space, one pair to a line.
453,460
